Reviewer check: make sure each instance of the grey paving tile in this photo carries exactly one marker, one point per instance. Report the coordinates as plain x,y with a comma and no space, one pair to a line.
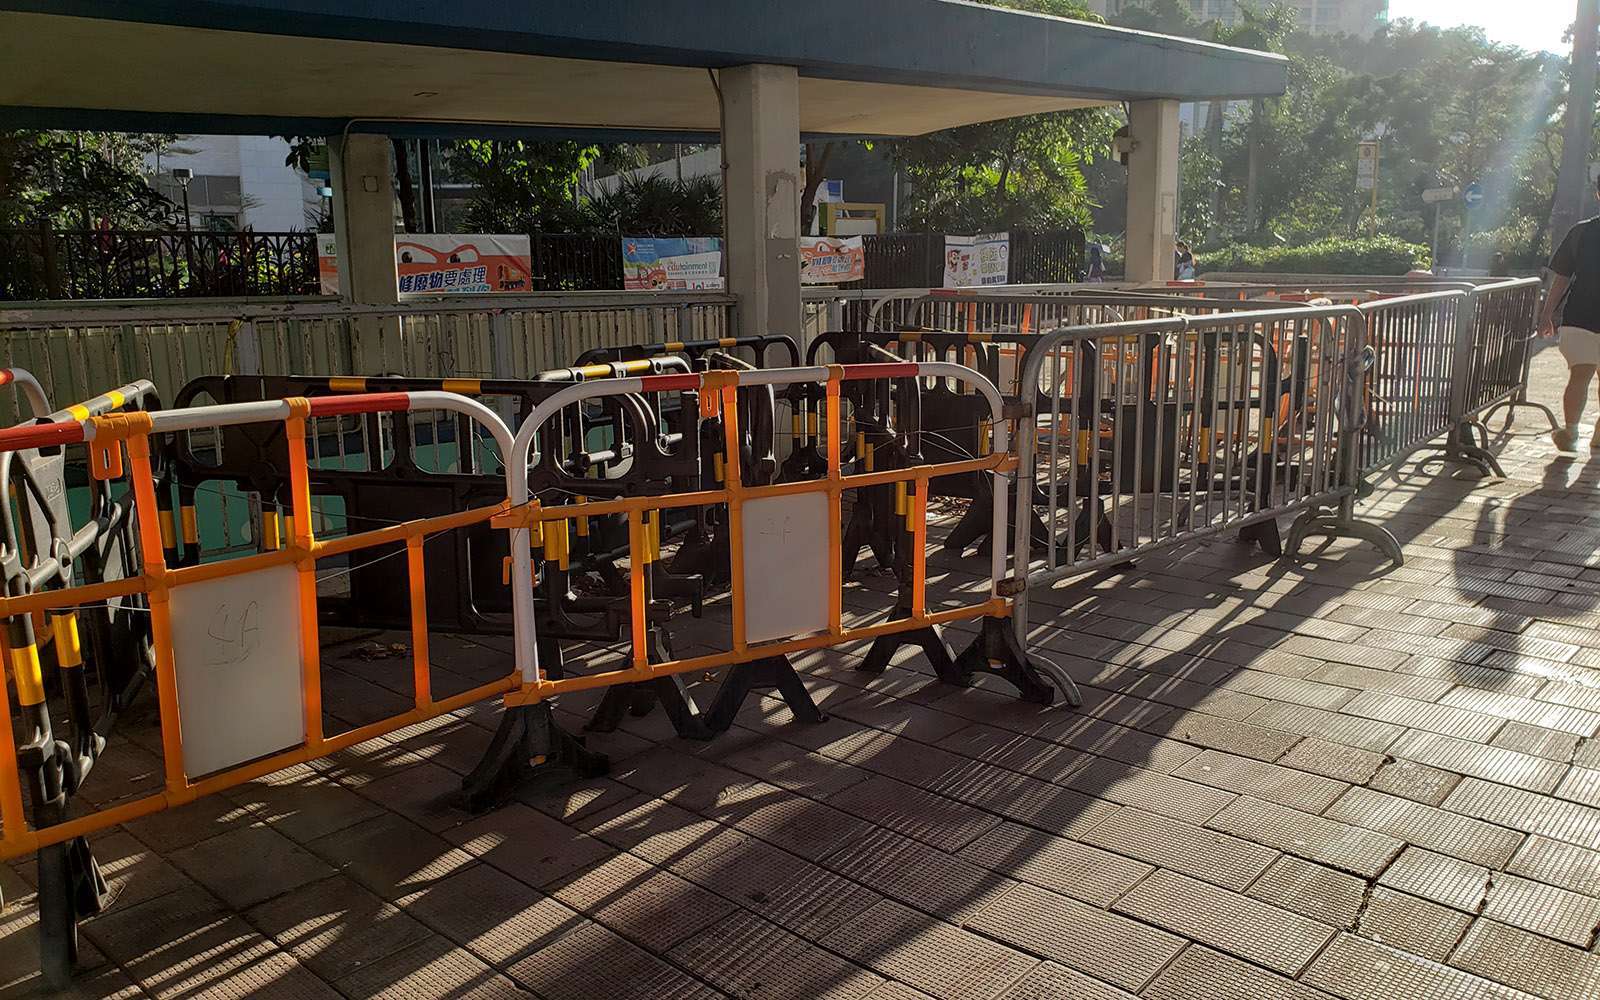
1528,961
1333,760
1560,864
589,961
1536,740
1332,727
1526,710
1425,826
1357,969
1056,863
1342,845
1324,894
1217,857
1049,981
1412,924
1447,720
1283,785
1544,909
1202,972
250,864
1417,782
944,823
649,906
335,925
1491,763
1243,738
1264,934
490,913
1522,810
935,957
1438,877
1109,947
918,875
744,956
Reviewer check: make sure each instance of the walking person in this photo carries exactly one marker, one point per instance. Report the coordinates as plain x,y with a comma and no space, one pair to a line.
1575,292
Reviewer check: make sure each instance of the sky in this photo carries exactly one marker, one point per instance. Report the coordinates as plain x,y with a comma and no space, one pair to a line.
1530,24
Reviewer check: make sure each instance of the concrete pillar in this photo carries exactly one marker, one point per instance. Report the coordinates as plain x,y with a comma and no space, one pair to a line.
363,217
1152,190
761,192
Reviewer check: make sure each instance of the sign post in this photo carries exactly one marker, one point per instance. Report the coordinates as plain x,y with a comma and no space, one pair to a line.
1437,197
1367,158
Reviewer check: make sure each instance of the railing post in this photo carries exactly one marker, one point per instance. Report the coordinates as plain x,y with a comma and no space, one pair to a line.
52,266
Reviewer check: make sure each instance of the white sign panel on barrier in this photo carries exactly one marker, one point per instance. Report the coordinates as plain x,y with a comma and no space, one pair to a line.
785,566
236,643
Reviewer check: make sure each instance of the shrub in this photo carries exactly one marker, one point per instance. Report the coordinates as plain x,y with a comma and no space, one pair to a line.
1367,255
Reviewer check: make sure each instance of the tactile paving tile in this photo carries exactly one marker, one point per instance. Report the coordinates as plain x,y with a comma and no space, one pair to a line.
1283,785
1417,782
1225,860
1049,981
795,894
1346,730
896,991
1544,909
1521,810
1242,738
1491,763
528,844
927,953
1457,722
1387,681
1333,760
647,905
944,823
487,911
1527,710
1581,784
1202,972
1412,924
1324,894
1532,739
920,876
1357,969
1438,877
1056,863
1107,946
589,961
249,864
1529,962
747,957
1293,690
1557,863
805,827
1341,845
1264,934
335,925
390,856
1425,826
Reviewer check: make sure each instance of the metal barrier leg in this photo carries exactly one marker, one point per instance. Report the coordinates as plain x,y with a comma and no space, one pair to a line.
71,889
997,651
928,639
1521,399
639,699
1341,522
527,742
773,672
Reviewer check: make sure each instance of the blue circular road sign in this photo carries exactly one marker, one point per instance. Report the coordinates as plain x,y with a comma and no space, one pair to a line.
1472,194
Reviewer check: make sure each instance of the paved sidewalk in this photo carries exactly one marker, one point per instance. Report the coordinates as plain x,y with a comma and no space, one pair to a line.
1288,781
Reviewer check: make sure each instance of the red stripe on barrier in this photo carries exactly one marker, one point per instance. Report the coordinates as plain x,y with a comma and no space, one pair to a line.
6,376
666,383
909,369
41,435
366,402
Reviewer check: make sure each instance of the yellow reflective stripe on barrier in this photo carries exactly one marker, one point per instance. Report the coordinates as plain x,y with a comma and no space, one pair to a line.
813,422
984,441
346,384
716,466
28,677
797,423
117,398
1205,444
536,534
169,535
672,346
69,649
583,520
465,386
78,411
870,449
900,507
191,527
596,371
1085,443
269,530
727,341
555,543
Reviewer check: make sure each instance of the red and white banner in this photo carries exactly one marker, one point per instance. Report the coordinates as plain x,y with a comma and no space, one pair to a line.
830,260
445,264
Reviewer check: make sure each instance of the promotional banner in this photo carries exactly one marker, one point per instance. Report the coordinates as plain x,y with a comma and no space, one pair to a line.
445,263
977,260
672,263
827,260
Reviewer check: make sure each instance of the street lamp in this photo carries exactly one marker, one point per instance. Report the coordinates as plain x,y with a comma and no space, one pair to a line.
183,175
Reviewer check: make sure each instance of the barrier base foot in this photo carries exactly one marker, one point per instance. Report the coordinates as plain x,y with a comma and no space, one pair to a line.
1265,534
638,700
1511,412
527,742
974,525
772,672
71,889
1333,525
997,651
928,639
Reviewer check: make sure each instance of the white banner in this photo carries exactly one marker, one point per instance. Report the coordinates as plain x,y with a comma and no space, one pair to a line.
984,259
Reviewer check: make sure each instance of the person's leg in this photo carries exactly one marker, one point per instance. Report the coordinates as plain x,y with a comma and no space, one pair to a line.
1577,393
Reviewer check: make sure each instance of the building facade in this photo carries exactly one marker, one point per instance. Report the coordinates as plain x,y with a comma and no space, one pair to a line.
239,182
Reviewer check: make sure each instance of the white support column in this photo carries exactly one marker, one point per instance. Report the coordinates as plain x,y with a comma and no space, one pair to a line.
761,141
1152,190
363,212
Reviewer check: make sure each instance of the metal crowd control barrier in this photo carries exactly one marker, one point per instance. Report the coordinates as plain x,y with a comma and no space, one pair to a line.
1164,431
235,645
1500,352
785,598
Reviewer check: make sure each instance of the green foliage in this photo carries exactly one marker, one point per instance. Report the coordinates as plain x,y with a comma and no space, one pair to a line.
1018,173
73,179
521,187
1368,255
1199,174
657,206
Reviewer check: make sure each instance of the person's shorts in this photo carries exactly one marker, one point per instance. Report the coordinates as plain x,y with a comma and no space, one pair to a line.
1579,346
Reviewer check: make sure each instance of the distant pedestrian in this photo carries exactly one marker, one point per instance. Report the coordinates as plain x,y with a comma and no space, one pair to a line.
1575,291
1183,264
1097,263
